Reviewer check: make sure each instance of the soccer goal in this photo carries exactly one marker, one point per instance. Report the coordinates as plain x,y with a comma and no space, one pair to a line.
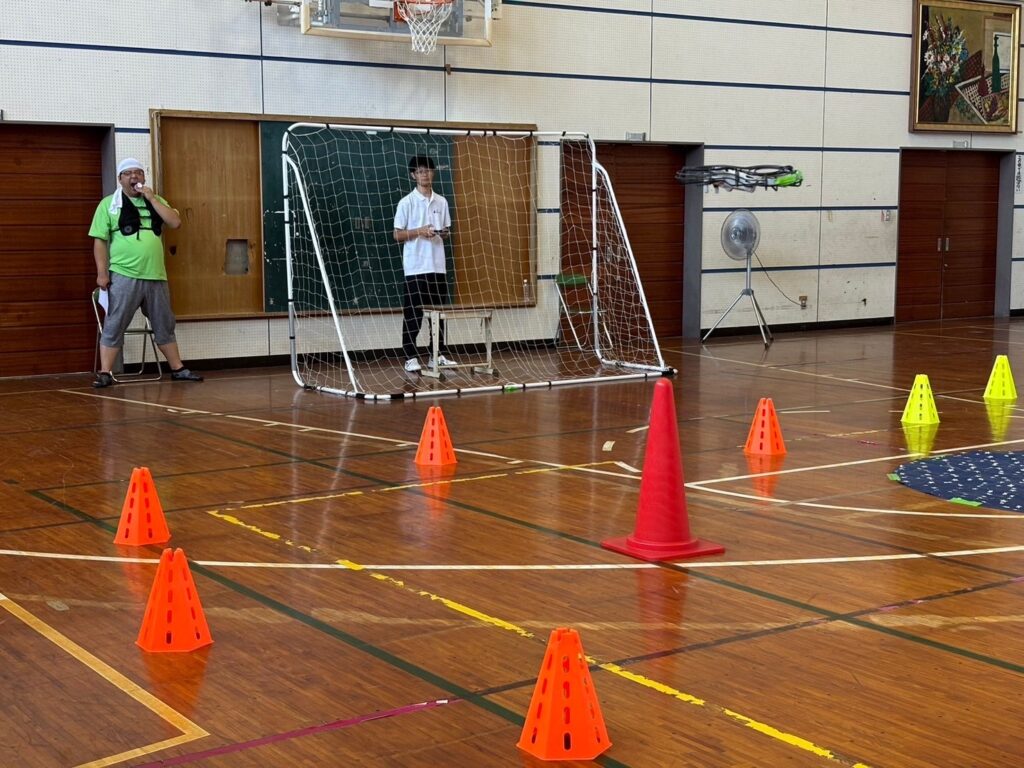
539,285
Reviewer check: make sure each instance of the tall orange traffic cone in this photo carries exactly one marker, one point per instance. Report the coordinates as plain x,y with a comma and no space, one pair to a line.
564,721
662,530
765,436
435,443
174,618
142,517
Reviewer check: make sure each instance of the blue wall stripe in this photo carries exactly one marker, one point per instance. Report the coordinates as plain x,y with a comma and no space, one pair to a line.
773,148
808,267
731,208
128,49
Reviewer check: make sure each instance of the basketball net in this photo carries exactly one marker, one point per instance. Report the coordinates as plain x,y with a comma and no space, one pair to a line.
424,18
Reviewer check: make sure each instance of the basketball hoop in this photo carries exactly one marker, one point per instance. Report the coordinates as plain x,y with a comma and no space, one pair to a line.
424,18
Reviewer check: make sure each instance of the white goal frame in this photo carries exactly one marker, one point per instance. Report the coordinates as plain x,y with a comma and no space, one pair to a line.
618,369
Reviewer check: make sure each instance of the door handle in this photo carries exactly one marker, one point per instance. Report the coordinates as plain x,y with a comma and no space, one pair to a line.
938,245
947,245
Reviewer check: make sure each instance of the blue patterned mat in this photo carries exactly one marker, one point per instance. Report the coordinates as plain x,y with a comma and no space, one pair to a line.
978,478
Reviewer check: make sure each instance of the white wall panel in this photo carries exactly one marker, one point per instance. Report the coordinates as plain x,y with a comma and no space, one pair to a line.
868,61
788,238
695,50
875,120
91,86
372,92
745,116
857,237
189,25
605,110
611,45
720,290
856,294
1017,291
880,15
779,11
860,178
222,339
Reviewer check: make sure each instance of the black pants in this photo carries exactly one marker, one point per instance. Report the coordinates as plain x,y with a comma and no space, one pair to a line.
429,289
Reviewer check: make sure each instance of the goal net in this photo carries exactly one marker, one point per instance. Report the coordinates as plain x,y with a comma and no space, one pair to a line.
539,284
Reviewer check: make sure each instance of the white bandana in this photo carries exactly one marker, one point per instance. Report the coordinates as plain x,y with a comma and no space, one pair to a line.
128,164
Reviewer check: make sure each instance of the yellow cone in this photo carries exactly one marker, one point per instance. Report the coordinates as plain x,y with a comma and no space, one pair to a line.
920,408
1000,381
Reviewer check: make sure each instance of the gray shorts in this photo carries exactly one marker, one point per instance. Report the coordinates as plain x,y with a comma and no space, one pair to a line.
126,295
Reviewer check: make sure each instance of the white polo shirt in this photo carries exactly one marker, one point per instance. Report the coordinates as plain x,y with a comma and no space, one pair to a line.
422,255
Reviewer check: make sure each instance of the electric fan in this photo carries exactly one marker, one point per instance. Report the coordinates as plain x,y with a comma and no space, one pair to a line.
741,233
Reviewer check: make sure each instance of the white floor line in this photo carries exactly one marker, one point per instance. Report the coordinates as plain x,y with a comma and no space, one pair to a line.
528,567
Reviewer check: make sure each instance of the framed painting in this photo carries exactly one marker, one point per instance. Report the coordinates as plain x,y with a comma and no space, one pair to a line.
965,66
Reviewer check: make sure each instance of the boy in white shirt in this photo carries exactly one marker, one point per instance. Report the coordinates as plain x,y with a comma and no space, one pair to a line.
422,223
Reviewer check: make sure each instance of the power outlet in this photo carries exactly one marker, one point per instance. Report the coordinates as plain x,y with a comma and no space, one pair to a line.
803,302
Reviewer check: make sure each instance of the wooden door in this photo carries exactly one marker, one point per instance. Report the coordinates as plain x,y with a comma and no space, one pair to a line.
946,263
51,180
651,203
210,172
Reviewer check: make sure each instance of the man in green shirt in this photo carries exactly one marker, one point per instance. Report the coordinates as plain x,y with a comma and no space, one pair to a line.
129,255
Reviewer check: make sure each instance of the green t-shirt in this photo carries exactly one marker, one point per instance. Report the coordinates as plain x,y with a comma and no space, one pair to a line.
140,255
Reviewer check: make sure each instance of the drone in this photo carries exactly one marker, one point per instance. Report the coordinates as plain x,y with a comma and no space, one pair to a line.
747,178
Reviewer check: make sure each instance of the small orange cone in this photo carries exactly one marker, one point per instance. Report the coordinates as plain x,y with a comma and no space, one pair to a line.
564,721
142,517
174,618
662,530
765,437
435,443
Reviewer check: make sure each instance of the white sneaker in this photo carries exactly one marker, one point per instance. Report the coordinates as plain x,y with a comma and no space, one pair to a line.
412,365
441,361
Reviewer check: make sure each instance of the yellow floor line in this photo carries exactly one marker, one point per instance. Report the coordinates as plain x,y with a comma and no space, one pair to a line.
189,730
763,728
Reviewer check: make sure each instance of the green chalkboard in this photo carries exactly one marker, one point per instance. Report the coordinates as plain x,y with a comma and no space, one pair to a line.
353,180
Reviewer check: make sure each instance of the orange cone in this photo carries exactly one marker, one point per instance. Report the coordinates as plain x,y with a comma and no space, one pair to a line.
564,721
662,530
435,443
765,437
142,517
174,618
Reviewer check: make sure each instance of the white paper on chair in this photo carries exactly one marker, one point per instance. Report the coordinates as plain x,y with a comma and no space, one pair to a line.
103,300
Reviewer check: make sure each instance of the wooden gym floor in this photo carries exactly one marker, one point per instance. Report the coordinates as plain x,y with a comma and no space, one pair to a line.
365,614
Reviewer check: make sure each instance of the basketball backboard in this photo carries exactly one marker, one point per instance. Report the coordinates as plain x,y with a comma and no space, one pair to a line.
469,23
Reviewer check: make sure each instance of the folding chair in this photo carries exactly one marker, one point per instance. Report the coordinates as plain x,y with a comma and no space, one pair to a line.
134,329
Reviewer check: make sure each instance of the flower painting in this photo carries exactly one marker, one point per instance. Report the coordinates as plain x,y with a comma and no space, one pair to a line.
965,66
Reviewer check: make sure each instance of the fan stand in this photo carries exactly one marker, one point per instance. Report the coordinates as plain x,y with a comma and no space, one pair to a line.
762,324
